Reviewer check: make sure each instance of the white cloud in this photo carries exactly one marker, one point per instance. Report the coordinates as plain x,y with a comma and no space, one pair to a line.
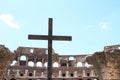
8,19
103,25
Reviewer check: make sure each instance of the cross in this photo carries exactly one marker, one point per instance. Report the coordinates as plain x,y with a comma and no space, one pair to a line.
49,37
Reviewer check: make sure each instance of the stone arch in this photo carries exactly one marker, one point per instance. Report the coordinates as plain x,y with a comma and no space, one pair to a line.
55,64
23,58
39,64
14,62
31,63
46,64
71,58
79,64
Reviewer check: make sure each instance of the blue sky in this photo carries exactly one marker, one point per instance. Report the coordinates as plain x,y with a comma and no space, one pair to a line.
92,24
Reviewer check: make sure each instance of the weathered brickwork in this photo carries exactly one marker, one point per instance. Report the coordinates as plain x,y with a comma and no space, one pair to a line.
31,64
107,63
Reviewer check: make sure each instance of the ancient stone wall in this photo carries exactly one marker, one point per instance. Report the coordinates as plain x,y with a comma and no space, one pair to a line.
107,63
31,63
5,60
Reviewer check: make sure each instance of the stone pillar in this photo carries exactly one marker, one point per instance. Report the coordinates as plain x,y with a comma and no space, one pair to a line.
35,62
75,65
8,73
34,73
92,73
26,61
26,72
84,75
42,74
106,64
67,73
42,64
60,73
18,72
18,62
75,74
83,64
59,65
67,65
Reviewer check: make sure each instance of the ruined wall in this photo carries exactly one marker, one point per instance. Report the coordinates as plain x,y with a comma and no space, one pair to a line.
5,60
107,63
31,63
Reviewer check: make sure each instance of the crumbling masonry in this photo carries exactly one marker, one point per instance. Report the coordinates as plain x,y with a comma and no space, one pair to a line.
30,64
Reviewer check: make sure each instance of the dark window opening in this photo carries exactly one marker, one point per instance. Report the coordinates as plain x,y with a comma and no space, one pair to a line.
72,74
63,75
70,63
22,63
21,74
88,79
79,79
63,64
88,74
30,74
12,79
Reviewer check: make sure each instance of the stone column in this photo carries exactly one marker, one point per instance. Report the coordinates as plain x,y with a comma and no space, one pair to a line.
26,72
35,62
84,75
34,73
42,74
8,73
83,64
75,61
67,73
75,74
60,73
18,72
26,61
59,65
92,73
18,62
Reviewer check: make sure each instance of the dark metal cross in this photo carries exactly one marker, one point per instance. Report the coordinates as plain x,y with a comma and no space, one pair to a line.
49,37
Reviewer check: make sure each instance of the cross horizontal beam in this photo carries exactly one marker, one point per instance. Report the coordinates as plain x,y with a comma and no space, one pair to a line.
45,37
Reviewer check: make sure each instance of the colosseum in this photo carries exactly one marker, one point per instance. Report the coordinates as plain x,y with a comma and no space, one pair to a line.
31,64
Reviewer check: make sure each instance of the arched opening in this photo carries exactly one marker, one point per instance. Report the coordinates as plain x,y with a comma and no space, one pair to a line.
63,65
31,63
39,64
30,74
45,64
87,65
55,64
79,64
71,58
12,79
31,50
14,63
23,58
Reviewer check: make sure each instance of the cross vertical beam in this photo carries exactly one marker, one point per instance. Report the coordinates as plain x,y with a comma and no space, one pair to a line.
50,37
50,50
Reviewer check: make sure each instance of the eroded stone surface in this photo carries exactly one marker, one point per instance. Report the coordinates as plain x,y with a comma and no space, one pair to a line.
106,63
5,59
